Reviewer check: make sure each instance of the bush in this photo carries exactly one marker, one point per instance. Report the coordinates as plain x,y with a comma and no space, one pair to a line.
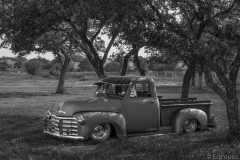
71,67
54,72
112,67
45,74
32,66
47,66
3,67
56,66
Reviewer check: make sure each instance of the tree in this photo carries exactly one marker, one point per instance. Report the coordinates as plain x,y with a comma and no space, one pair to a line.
207,27
45,62
32,66
19,62
62,47
187,78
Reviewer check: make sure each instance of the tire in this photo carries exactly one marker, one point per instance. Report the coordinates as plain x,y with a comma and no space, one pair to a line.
190,125
101,132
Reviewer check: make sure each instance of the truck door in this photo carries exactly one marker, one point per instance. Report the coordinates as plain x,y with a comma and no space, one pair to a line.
142,109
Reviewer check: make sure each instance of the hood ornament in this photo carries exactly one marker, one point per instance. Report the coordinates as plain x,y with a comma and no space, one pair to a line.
60,109
61,112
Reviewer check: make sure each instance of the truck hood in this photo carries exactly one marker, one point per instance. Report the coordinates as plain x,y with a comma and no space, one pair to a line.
89,104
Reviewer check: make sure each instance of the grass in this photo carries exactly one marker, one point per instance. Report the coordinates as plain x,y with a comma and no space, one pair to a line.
24,100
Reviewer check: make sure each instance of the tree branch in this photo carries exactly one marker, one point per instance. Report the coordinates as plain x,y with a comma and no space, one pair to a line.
201,28
59,57
109,47
218,70
225,11
74,27
125,62
214,86
154,8
98,31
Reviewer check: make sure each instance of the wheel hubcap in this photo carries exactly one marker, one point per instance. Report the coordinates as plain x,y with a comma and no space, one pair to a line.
190,125
99,132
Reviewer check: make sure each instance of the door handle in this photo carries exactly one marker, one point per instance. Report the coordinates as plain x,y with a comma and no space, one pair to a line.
152,101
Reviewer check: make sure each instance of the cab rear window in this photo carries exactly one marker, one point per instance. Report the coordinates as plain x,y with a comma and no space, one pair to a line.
143,90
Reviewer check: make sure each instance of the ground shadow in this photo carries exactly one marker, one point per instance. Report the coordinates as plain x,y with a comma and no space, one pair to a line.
17,129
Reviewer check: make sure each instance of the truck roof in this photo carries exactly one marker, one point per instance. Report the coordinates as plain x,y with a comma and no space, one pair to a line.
123,79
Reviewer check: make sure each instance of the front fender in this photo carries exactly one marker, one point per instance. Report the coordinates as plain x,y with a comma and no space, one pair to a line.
181,116
92,119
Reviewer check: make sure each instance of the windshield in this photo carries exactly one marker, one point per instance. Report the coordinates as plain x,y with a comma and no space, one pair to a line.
111,90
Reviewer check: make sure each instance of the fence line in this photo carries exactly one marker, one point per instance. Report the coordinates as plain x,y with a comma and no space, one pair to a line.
173,76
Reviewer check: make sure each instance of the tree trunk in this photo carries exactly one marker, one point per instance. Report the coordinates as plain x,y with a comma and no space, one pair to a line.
125,63
233,117
193,79
200,73
96,64
186,80
137,61
138,65
60,88
231,100
100,71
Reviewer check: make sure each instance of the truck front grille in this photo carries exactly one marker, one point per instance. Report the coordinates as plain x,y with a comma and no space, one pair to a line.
66,126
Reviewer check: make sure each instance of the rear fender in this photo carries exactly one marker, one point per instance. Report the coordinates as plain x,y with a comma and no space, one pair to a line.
181,116
92,119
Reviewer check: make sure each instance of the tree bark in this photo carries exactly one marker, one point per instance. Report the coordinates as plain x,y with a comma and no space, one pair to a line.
60,88
193,79
100,71
233,117
137,61
186,80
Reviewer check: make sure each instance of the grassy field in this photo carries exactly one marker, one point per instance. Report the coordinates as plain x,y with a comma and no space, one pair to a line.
24,100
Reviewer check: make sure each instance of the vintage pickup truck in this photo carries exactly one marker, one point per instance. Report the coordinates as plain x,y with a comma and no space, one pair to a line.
126,106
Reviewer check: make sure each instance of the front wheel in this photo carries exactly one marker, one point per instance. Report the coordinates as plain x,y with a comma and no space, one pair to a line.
190,125
101,132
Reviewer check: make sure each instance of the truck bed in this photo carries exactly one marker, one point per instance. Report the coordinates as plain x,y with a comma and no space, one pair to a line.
169,106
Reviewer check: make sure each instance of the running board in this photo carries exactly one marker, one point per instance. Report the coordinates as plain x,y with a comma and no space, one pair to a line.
161,131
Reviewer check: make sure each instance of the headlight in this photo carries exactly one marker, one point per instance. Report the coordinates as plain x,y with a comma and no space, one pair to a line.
80,118
47,114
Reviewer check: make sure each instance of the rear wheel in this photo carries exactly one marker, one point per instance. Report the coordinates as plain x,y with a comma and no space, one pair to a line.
101,132
190,125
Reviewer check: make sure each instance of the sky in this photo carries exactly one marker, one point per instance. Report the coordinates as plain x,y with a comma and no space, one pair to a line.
8,53
49,56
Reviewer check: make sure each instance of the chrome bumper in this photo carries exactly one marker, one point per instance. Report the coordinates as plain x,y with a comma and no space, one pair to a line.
61,127
63,136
